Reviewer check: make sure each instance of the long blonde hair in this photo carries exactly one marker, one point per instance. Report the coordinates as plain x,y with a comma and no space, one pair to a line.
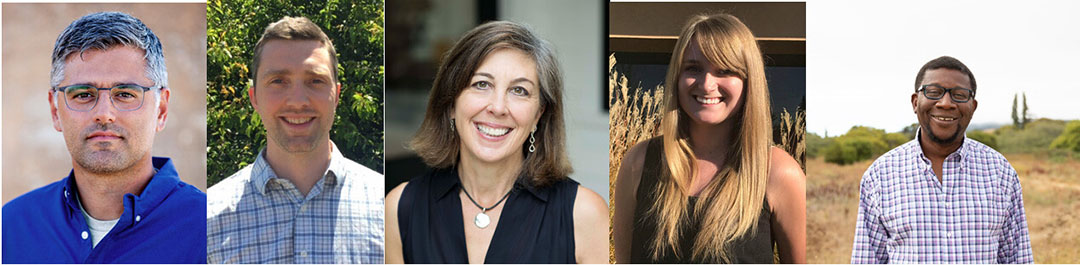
732,201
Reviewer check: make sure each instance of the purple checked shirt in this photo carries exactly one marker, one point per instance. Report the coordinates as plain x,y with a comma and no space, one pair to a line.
974,215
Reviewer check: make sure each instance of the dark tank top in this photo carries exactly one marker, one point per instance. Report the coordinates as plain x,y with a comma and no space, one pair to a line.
749,248
536,224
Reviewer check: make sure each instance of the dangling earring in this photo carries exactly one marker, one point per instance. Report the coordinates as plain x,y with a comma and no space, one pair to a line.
452,129
532,141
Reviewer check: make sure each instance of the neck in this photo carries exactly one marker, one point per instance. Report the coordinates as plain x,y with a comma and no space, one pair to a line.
303,169
938,151
487,182
711,141
102,194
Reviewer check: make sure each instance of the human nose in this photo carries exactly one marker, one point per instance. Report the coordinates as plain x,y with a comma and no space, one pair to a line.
712,82
104,110
296,95
497,104
946,101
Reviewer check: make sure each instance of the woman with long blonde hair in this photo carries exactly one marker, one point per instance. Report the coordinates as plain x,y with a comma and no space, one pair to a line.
712,188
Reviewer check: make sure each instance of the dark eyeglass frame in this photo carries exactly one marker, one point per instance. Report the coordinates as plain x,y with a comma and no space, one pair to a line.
111,98
947,91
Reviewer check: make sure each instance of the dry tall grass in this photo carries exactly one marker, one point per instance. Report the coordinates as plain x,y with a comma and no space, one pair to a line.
793,135
1051,200
634,117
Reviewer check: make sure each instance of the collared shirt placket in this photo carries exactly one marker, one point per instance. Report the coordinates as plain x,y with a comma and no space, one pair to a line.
951,170
81,228
306,222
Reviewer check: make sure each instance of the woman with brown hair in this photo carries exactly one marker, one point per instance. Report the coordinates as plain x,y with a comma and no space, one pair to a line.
712,188
494,132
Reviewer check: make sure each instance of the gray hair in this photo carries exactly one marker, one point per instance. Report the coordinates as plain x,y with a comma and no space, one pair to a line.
103,31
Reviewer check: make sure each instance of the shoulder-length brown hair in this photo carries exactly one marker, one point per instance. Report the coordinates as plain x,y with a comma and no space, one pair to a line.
439,146
732,201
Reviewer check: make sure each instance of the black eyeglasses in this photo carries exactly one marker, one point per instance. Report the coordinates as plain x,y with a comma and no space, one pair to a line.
83,98
958,94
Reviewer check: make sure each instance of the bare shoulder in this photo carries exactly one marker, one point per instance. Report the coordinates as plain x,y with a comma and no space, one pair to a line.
394,196
631,165
785,174
588,204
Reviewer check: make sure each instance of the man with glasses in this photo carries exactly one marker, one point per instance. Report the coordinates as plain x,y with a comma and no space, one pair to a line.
942,197
301,200
109,98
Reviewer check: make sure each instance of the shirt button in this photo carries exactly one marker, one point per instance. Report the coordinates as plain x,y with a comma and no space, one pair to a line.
303,254
303,207
138,218
85,235
949,234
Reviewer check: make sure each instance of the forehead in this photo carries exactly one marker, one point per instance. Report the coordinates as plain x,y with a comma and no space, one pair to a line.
509,63
946,77
103,68
693,51
294,55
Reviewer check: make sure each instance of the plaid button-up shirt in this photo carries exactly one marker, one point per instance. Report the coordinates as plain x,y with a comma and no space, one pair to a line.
256,217
974,215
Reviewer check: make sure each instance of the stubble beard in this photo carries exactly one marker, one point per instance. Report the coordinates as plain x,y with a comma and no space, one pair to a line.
934,138
104,157
299,144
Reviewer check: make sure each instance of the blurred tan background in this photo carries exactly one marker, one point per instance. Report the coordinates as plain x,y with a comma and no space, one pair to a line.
34,154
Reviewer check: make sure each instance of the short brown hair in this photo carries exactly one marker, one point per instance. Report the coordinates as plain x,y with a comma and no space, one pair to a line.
439,146
294,28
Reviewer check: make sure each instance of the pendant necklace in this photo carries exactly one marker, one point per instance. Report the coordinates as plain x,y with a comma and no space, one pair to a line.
482,220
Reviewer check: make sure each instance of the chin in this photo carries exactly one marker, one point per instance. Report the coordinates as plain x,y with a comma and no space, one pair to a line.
712,119
488,154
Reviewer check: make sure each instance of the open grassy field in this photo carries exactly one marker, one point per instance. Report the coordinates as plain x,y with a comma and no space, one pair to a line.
1051,198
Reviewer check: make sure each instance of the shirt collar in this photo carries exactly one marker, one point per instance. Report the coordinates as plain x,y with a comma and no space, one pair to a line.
160,186
446,180
262,173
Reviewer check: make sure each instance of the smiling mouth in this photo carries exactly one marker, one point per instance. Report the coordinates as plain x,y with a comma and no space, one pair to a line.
493,132
297,121
708,100
942,118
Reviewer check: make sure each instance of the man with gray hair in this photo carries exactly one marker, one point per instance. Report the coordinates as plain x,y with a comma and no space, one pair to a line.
119,204
301,201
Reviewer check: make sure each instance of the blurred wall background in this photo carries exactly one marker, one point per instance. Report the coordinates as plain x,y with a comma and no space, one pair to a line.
34,154
420,31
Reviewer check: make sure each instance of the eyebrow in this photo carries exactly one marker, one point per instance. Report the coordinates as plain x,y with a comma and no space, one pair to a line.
115,84
692,61
317,71
277,72
516,80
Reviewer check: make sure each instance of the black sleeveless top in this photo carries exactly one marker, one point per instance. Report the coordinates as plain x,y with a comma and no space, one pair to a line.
536,224
750,248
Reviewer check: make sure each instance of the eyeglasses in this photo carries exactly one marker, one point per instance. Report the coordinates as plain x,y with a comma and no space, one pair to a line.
85,97
958,94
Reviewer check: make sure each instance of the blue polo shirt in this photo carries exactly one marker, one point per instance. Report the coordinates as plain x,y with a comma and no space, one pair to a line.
164,224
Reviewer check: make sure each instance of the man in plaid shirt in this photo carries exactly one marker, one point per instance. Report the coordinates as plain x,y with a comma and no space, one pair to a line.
941,198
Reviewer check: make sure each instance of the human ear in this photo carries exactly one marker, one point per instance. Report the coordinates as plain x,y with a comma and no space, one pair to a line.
915,102
251,97
163,108
54,103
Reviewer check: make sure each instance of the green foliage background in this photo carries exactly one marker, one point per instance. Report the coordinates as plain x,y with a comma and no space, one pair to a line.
234,131
1056,138
1070,138
859,143
1034,137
